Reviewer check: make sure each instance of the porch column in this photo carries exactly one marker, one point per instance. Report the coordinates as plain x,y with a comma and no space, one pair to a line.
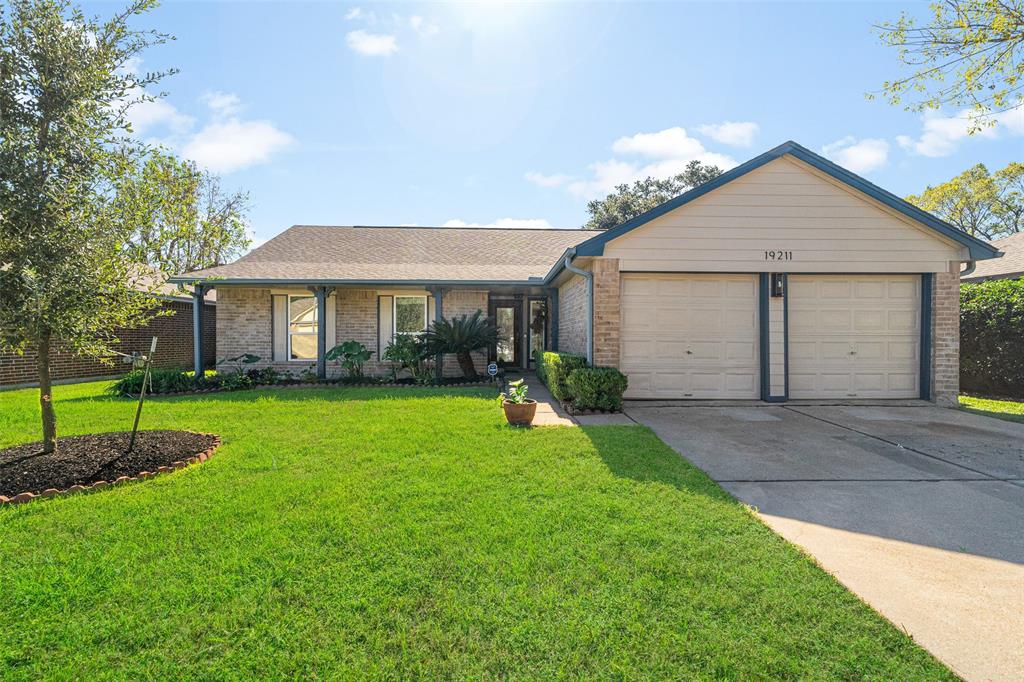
321,294
198,303
438,294
553,316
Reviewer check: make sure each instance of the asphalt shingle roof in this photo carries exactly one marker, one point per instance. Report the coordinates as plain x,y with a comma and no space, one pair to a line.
1011,264
422,254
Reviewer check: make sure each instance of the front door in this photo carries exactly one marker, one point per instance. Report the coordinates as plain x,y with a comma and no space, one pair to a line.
507,316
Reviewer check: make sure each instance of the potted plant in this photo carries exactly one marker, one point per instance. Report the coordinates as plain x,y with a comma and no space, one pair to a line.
519,410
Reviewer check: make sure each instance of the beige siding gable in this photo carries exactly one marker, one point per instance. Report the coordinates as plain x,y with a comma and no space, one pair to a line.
811,222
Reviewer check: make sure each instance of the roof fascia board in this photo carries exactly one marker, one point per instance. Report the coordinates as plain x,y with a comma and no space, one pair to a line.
214,281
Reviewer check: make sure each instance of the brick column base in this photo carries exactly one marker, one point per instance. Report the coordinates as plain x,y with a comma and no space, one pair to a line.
946,337
606,311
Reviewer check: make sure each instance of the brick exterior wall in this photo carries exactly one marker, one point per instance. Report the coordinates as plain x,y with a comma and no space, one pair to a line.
946,337
174,349
606,311
244,326
572,316
462,302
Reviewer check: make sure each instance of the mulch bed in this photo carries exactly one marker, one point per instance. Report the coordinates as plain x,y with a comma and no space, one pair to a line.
85,460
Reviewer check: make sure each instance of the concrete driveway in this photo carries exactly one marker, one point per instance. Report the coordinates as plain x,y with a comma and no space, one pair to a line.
919,510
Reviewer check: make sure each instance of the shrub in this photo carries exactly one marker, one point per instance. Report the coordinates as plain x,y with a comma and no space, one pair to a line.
461,335
991,334
407,351
538,362
265,376
553,369
597,388
351,355
161,381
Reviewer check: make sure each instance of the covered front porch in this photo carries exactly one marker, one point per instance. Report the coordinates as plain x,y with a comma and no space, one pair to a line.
291,328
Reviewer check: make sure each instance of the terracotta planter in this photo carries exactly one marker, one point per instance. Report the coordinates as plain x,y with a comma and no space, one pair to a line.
520,414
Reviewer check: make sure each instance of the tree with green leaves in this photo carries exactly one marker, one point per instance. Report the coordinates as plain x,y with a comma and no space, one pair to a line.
629,201
66,162
189,222
967,54
982,204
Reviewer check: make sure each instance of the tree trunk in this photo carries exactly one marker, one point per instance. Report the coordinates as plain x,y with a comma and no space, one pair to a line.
466,363
46,395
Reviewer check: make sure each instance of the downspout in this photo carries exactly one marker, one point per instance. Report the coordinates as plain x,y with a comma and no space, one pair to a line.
589,277
971,264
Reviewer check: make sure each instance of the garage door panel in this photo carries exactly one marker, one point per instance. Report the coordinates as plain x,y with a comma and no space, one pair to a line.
856,336
696,336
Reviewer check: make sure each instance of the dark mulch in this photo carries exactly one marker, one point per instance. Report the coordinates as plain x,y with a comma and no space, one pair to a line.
83,460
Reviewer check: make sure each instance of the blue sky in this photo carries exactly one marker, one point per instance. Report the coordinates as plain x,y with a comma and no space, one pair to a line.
432,114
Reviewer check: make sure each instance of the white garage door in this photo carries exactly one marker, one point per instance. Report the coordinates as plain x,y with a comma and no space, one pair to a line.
689,336
854,336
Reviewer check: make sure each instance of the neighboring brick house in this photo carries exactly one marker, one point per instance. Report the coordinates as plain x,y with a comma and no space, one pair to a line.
174,348
785,277
1009,266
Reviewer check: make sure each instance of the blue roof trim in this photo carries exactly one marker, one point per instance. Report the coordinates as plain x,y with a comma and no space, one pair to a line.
978,249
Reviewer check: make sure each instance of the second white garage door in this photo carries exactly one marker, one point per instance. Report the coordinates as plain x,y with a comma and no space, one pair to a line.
690,336
854,336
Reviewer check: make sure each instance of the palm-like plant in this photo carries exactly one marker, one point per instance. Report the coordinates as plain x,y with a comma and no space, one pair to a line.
461,336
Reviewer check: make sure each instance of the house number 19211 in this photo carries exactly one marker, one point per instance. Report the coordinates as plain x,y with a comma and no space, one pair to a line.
778,255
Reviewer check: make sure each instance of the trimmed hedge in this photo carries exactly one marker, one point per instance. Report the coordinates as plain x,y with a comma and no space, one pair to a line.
554,368
992,337
597,388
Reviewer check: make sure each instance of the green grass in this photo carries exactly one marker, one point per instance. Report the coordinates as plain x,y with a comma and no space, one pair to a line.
410,533
1010,410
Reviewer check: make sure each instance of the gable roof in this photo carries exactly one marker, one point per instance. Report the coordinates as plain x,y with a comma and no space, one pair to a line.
1009,266
978,249
321,254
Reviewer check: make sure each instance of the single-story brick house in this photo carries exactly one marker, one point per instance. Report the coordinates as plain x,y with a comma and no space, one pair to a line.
174,348
786,277
1009,266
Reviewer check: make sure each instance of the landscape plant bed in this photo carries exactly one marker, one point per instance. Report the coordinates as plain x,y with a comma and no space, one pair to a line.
336,383
97,460
570,408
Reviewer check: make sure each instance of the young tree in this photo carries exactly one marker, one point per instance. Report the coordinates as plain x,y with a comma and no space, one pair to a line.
629,201
983,204
189,222
66,160
968,54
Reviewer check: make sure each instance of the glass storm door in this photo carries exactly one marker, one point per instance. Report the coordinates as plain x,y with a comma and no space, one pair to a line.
538,321
506,317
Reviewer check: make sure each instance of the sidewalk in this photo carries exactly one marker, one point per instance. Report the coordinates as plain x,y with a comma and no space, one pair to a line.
550,412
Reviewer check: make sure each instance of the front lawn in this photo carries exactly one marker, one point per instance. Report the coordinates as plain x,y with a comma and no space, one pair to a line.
1010,410
409,533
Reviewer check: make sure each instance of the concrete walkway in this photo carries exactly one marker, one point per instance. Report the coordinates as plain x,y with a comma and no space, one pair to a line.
550,412
918,510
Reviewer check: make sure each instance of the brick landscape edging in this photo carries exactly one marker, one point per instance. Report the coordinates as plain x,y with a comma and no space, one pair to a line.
206,454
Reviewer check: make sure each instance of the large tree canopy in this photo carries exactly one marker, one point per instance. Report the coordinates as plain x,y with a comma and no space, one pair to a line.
629,201
187,221
968,54
67,161
983,204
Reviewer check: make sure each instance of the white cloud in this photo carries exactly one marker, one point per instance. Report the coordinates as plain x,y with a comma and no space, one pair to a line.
222,103
148,116
230,145
542,180
859,156
353,14
942,135
734,133
372,44
671,143
507,223
423,27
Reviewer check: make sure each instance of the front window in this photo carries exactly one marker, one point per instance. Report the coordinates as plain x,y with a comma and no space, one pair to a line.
302,327
410,314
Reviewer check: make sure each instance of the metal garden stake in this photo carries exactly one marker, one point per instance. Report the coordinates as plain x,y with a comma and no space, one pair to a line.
142,393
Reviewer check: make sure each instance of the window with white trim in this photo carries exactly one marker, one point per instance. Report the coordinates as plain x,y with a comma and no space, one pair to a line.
410,314
302,327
